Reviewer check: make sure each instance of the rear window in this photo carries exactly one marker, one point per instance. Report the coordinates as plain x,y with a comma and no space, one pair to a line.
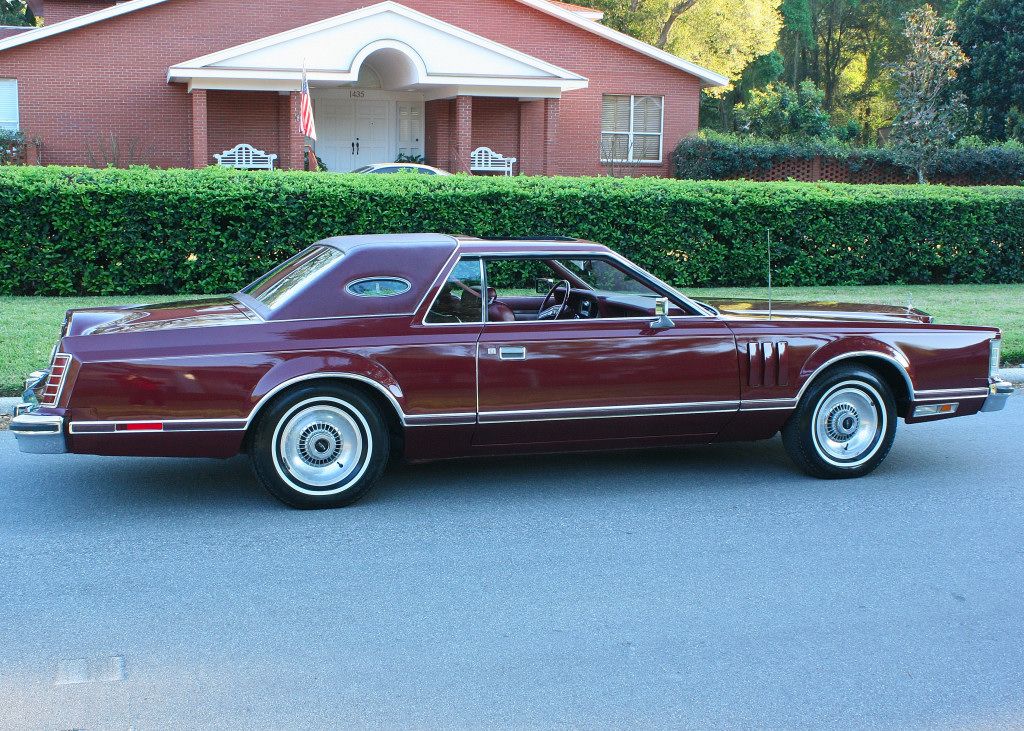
284,280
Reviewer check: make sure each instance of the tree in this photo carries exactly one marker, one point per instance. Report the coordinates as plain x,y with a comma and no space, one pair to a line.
780,112
724,35
15,12
991,32
931,111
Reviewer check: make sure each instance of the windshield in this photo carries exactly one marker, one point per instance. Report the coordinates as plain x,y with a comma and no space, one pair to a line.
284,280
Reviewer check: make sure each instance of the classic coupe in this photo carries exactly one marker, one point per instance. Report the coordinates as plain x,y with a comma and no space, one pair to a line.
360,349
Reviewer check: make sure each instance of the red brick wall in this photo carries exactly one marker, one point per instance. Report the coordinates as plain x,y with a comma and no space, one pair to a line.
496,125
245,116
110,77
57,11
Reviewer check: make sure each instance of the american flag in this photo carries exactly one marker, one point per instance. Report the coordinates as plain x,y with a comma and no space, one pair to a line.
306,123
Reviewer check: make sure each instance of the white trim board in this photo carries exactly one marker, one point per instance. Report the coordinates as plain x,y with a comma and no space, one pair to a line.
708,77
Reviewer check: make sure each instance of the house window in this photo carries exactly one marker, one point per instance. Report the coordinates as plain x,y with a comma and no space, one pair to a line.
9,104
631,128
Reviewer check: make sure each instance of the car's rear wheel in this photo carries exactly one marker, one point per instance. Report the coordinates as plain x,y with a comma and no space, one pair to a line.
843,426
320,446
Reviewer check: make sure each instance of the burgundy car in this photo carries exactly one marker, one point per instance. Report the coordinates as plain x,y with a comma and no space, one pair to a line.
362,348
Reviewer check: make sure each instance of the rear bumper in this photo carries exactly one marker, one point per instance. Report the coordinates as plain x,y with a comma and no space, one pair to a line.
39,433
998,392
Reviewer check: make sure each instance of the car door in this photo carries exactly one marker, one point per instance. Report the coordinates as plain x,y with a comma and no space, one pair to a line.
579,380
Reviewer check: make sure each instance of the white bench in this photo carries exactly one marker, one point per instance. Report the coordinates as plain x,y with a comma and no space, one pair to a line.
246,157
486,160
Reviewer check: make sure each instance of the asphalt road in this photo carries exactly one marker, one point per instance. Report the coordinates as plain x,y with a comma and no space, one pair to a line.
708,587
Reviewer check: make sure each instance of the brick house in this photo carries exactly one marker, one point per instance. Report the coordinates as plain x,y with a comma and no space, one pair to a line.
176,81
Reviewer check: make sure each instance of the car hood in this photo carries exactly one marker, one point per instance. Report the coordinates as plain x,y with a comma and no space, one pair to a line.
199,312
819,310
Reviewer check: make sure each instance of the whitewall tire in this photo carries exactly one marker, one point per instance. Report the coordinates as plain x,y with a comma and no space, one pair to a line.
320,446
844,425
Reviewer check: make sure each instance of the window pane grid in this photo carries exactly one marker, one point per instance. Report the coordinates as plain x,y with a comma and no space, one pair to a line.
631,128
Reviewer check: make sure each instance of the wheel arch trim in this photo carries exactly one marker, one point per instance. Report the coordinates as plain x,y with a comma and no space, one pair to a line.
901,367
327,375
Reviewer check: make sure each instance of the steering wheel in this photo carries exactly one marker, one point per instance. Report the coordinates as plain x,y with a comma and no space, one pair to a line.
554,311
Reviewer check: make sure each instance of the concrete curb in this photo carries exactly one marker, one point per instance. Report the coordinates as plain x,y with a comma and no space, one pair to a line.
1013,375
7,404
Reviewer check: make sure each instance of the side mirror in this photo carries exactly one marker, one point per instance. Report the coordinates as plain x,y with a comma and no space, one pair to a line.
661,319
544,285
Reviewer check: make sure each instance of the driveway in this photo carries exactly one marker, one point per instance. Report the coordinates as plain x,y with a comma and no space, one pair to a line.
711,587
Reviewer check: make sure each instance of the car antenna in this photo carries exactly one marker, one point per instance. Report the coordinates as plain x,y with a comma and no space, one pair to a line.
769,274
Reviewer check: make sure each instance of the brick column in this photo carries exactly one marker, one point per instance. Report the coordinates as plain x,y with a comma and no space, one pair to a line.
290,140
200,147
461,133
550,135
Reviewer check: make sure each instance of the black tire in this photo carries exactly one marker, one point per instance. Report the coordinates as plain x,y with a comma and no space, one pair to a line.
847,409
309,436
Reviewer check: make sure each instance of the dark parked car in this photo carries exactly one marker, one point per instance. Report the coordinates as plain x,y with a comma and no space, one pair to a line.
430,346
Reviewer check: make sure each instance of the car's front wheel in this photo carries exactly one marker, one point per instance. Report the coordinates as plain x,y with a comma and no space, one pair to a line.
844,424
320,446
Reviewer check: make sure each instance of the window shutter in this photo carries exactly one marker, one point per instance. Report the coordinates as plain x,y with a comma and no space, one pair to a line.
9,104
647,115
615,113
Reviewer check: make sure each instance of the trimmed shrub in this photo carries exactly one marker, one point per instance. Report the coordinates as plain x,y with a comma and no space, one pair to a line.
715,156
144,231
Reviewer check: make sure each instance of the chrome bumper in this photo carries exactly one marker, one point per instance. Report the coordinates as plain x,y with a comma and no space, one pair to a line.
39,433
998,392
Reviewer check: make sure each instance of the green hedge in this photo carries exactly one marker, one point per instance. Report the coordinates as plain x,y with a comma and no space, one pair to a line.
144,231
715,156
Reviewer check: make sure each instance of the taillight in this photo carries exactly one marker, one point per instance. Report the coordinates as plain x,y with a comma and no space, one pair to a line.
55,381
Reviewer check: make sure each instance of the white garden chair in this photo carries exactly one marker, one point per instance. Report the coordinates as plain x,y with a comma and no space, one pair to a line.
486,160
246,157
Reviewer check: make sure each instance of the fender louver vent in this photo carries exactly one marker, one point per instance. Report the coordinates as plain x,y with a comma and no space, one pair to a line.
769,364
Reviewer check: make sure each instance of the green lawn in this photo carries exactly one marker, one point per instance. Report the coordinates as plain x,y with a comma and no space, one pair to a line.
29,325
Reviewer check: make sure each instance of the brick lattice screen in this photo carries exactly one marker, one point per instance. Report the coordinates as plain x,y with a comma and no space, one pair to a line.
834,170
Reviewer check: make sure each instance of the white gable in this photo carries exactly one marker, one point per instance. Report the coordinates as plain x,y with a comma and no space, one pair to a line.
417,50
336,48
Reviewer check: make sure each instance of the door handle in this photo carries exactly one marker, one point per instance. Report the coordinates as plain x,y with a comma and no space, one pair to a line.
357,147
512,352
353,148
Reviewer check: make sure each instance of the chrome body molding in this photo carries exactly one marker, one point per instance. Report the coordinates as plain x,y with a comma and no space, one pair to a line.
950,394
457,419
155,425
608,412
768,404
39,433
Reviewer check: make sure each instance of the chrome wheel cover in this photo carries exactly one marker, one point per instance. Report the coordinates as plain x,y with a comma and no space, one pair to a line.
849,424
322,446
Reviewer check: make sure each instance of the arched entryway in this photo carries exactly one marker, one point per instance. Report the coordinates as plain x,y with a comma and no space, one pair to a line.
375,120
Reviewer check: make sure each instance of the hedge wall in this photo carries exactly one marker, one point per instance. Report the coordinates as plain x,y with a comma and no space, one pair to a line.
144,231
714,156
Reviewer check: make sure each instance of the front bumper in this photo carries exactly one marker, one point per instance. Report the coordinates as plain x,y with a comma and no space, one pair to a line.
39,433
998,392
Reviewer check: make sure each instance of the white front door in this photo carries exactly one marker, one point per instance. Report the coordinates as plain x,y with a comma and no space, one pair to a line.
373,128
335,128
357,131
